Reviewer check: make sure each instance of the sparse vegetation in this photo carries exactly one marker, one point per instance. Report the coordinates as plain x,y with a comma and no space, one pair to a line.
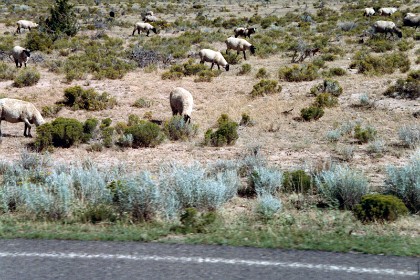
26,77
226,133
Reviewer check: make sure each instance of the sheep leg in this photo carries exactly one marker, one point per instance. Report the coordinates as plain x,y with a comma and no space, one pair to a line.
244,55
218,66
134,31
17,64
148,31
18,30
0,128
212,64
27,129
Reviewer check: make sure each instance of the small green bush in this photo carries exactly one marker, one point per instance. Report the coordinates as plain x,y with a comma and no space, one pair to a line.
298,73
245,69
145,134
378,65
194,222
326,100
364,135
297,181
246,120
7,72
226,134
51,111
88,128
62,19
311,113
98,213
38,41
262,74
62,132
265,87
177,129
379,207
26,77
380,44
408,88
142,103
232,58
80,99
328,86
337,71
189,69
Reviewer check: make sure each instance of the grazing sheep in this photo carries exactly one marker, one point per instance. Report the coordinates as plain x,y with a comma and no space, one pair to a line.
149,13
369,12
412,20
15,110
207,55
182,103
382,26
240,45
387,11
244,32
25,24
143,26
20,55
149,18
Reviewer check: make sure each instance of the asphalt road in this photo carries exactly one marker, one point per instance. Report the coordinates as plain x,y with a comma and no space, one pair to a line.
58,259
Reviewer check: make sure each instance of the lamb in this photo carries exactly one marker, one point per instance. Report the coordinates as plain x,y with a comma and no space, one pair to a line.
25,24
143,26
207,55
369,12
387,11
244,32
20,55
239,45
149,18
382,26
182,103
15,110
412,20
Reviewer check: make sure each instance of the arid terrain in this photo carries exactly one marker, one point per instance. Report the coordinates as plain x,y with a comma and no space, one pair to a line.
284,141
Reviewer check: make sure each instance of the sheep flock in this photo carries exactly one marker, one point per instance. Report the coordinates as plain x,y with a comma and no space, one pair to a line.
181,100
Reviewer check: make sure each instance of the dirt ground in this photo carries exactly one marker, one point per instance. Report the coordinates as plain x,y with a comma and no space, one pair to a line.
285,142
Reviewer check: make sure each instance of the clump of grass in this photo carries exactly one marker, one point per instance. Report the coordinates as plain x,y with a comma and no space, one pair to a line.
298,73
142,103
328,86
87,99
326,100
341,186
377,65
408,88
177,129
364,134
404,182
7,72
410,135
245,69
262,74
265,87
226,133
26,77
311,113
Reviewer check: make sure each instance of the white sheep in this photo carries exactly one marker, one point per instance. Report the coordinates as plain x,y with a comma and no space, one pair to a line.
387,11
20,55
145,27
369,12
412,20
149,13
207,55
149,18
25,24
15,110
181,102
244,31
240,45
382,26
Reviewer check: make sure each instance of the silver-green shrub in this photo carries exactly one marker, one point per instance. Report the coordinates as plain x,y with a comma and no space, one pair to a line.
404,182
410,135
341,186
267,206
266,180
